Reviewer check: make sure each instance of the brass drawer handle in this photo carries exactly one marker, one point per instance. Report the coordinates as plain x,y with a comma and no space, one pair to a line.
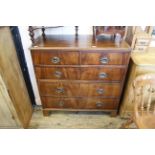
100,91
61,103
58,74
99,104
104,60
102,75
60,90
55,60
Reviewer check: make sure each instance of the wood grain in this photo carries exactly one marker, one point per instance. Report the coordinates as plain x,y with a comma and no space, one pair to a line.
80,42
58,73
13,78
8,115
141,63
74,89
80,73
84,68
94,58
96,73
79,103
45,57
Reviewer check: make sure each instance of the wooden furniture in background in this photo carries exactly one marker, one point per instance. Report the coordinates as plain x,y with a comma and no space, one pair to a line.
76,73
15,106
32,30
143,102
139,39
111,31
141,63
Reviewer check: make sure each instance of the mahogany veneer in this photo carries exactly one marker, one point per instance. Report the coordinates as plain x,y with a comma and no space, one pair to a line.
76,72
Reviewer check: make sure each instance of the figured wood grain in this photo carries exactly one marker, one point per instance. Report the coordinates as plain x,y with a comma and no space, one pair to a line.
114,58
73,89
70,57
106,89
58,73
79,103
69,89
45,57
13,78
80,73
94,73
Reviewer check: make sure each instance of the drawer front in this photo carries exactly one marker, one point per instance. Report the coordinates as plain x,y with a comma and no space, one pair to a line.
83,73
142,42
79,89
59,89
49,102
79,103
53,57
99,103
100,89
104,58
65,73
102,73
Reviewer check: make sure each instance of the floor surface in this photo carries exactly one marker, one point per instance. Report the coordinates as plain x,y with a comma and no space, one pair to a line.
75,120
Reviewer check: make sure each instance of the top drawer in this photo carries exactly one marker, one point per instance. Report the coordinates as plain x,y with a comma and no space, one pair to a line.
104,58
55,57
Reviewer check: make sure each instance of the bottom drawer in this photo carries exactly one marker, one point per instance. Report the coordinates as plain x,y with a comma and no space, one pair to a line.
79,103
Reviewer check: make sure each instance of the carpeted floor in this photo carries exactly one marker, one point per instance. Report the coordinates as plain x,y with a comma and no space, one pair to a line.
76,120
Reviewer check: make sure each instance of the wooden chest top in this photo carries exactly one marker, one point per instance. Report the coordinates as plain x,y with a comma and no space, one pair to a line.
80,42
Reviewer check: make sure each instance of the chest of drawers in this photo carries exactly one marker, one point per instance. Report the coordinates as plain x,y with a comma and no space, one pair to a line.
78,74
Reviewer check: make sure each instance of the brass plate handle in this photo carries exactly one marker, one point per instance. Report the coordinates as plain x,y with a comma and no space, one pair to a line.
60,90
55,60
99,104
104,60
58,74
61,103
100,91
102,75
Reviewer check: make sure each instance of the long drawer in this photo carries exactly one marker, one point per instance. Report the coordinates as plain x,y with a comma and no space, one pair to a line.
72,89
83,73
79,103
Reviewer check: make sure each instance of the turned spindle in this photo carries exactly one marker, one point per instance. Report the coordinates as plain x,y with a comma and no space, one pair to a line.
76,30
43,32
31,33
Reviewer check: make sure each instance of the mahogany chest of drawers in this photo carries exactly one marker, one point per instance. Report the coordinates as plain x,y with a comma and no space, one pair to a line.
80,74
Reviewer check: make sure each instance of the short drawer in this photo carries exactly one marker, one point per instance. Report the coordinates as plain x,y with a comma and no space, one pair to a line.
59,89
55,57
50,102
100,89
98,103
69,73
102,73
79,103
68,89
104,58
